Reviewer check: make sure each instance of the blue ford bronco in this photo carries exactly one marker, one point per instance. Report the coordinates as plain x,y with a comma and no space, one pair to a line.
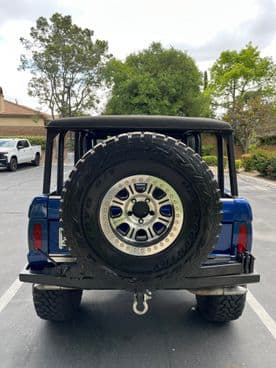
140,211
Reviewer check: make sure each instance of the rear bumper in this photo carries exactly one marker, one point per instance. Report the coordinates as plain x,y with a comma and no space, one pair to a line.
206,277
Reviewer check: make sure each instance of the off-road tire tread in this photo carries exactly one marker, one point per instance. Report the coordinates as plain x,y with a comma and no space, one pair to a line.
169,146
56,305
222,308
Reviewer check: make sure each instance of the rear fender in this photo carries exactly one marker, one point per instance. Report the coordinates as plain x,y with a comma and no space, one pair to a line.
235,212
45,210
38,213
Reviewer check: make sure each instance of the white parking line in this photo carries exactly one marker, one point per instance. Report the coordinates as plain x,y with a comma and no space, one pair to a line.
9,294
246,178
261,188
267,320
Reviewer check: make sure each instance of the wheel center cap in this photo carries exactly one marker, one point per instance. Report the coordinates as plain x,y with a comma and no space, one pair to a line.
140,209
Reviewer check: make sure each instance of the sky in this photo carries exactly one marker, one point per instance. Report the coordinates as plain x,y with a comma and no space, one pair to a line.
201,28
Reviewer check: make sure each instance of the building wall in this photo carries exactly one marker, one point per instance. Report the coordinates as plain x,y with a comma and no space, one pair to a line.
9,121
17,126
19,131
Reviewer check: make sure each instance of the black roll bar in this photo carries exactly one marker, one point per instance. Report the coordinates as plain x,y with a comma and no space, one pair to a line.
220,164
232,166
60,163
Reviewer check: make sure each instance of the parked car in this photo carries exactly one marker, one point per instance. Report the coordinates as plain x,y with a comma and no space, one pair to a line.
18,151
141,211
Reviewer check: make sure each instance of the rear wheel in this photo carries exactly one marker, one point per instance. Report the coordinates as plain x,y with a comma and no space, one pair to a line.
36,161
145,206
57,304
222,308
13,164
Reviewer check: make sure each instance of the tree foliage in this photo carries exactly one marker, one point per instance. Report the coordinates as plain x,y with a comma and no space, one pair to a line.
251,112
156,81
66,64
242,84
236,73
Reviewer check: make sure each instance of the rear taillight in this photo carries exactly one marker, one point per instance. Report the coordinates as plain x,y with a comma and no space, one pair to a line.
37,236
242,239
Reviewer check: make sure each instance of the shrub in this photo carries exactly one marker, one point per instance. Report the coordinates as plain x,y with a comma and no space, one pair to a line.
210,160
268,140
271,168
261,160
39,140
247,163
252,148
258,160
208,149
213,160
238,164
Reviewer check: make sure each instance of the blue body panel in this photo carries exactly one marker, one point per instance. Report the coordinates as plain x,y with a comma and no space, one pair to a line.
45,210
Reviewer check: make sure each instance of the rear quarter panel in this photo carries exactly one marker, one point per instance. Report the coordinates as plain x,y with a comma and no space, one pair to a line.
45,210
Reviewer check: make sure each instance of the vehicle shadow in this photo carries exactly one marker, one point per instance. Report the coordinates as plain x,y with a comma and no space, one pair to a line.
21,167
106,333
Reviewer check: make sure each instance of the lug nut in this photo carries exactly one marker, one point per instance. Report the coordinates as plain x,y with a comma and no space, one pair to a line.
141,221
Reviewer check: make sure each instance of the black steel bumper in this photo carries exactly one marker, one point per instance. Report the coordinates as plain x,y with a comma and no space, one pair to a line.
209,276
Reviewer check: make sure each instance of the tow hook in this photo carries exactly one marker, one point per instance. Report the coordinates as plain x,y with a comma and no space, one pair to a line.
140,303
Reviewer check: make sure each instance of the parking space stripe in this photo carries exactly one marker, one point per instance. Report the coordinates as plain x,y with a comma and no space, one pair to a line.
9,294
266,319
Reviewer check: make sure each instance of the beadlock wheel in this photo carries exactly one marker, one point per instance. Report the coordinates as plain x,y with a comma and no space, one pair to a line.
141,215
141,205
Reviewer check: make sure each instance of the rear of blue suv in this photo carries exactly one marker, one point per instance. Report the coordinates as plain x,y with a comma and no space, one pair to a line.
140,211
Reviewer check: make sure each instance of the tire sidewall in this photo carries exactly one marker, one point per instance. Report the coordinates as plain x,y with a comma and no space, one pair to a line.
91,203
101,169
13,164
37,159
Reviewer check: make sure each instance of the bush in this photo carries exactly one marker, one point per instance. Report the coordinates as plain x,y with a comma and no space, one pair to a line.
39,140
238,164
246,160
271,168
208,149
261,160
257,160
252,148
213,160
210,160
268,140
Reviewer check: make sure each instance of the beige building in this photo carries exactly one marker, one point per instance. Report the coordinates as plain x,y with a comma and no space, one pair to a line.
18,120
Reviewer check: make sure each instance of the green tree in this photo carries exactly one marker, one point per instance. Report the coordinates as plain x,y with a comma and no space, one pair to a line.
66,64
205,80
156,81
242,83
236,73
251,113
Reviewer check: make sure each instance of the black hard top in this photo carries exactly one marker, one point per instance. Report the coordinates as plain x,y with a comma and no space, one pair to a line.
122,123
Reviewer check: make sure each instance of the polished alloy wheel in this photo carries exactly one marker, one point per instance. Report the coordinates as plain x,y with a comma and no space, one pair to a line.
141,215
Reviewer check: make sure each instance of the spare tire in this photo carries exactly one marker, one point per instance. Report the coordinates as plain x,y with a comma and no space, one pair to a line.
143,205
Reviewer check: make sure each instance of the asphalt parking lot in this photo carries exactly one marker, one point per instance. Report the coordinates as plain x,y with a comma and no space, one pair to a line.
106,333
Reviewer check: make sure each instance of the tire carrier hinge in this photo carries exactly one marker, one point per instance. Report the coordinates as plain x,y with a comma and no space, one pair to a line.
140,303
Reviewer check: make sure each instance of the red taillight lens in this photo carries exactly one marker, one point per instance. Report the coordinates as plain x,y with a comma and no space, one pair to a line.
37,236
242,239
